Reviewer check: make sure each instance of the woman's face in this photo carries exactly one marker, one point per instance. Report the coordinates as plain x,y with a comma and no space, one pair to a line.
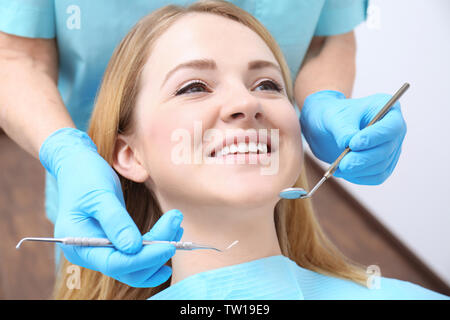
174,116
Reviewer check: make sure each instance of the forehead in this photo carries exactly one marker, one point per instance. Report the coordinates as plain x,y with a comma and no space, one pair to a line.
205,35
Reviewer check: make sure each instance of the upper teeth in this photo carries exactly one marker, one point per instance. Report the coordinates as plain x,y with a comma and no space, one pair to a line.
242,147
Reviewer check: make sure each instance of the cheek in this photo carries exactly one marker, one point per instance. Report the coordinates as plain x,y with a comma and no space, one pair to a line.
293,126
160,136
287,121
291,157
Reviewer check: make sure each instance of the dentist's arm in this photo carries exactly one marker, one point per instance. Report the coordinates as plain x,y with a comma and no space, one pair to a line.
331,120
90,199
329,64
31,107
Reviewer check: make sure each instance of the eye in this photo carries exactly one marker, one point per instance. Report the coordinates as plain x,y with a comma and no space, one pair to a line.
274,85
189,88
195,84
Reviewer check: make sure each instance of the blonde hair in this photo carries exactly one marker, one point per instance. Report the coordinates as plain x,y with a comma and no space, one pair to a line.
299,233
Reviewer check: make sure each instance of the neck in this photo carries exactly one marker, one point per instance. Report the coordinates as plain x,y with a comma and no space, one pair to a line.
218,227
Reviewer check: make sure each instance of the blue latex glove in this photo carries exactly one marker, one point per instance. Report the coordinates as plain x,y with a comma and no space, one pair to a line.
330,123
91,204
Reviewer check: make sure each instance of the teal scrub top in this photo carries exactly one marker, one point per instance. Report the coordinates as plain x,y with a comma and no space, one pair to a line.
88,31
279,278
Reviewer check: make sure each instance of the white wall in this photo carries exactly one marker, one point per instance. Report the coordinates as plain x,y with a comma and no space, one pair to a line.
409,41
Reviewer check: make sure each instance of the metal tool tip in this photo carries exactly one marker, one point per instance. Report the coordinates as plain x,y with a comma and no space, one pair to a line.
232,245
20,243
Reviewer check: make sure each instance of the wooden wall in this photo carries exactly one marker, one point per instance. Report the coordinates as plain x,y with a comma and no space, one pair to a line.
27,273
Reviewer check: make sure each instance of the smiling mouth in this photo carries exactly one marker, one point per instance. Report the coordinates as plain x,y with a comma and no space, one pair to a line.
242,148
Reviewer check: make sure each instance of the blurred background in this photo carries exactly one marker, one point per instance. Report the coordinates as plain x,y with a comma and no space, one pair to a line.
401,226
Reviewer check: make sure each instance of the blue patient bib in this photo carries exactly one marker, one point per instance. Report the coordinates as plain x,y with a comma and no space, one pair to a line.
279,278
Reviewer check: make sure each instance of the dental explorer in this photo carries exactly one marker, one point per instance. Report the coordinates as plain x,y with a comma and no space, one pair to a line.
103,242
300,193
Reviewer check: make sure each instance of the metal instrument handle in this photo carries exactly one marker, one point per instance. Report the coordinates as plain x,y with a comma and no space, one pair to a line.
87,242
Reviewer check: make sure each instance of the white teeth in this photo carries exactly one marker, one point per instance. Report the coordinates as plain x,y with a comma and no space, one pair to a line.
252,147
262,147
226,150
242,147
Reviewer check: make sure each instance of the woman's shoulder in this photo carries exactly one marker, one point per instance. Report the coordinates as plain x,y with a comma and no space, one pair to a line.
317,286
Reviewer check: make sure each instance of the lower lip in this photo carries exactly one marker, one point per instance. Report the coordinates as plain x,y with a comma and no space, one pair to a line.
243,158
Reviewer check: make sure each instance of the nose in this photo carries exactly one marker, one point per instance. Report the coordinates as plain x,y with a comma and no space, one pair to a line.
242,106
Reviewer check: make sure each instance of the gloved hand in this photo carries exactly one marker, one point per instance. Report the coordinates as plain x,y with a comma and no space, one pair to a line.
91,204
330,123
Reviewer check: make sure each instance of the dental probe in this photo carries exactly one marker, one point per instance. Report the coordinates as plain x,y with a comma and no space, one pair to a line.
300,193
103,242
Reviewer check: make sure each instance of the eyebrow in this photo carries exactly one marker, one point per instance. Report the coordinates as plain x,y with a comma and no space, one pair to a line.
208,64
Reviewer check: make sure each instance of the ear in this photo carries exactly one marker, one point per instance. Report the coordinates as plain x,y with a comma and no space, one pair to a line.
126,161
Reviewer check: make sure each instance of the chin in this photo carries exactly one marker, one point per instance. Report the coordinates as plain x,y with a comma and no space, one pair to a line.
250,195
